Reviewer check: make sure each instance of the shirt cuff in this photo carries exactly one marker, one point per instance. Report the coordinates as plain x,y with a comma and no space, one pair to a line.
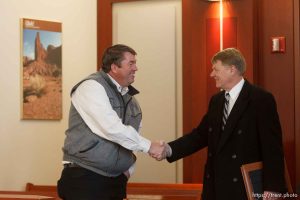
145,144
168,150
131,169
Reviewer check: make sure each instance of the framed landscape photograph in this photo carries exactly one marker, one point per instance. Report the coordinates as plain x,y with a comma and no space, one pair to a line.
41,69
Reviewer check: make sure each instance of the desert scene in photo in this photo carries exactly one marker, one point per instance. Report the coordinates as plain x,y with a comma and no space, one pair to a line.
42,75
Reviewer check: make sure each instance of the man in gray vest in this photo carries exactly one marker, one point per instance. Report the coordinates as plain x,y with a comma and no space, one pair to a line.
104,123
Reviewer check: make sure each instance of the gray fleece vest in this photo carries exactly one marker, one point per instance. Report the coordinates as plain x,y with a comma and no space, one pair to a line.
93,152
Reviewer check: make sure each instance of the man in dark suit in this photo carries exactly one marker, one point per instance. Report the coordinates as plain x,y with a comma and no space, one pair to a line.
241,126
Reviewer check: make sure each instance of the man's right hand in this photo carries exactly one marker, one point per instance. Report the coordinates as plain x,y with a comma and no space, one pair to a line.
159,150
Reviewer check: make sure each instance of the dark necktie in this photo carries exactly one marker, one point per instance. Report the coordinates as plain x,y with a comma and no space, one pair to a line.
225,110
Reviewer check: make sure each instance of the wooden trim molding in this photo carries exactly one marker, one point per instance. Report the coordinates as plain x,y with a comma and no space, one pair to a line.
297,89
104,27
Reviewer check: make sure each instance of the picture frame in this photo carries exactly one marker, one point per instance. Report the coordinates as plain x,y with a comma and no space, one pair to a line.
252,176
41,69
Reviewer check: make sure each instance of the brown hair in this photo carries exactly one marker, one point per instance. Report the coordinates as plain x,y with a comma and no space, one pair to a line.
114,54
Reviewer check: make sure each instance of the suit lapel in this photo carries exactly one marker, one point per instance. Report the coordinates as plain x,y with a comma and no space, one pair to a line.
235,114
219,113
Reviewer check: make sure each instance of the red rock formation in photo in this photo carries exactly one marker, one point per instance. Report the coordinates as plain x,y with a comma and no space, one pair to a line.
40,52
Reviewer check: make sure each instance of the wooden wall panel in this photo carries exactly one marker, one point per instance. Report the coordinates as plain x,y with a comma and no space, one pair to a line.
194,81
197,86
213,45
297,89
276,70
104,27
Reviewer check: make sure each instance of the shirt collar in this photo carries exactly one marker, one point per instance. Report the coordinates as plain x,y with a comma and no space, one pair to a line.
235,91
122,90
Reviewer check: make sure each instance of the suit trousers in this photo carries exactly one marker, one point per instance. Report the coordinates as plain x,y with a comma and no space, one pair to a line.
77,183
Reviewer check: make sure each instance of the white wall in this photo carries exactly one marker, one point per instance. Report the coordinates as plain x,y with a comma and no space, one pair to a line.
30,150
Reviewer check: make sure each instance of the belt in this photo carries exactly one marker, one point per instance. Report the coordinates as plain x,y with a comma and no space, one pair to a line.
71,165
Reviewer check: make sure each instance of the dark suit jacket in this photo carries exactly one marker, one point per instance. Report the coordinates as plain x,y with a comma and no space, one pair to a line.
252,133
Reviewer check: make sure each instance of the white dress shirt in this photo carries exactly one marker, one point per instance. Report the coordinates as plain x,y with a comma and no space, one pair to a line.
234,94
92,103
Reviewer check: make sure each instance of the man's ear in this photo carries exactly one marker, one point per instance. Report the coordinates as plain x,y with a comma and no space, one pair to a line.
114,67
233,69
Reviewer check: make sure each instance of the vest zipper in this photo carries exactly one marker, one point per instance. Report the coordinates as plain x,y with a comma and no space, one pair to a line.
125,108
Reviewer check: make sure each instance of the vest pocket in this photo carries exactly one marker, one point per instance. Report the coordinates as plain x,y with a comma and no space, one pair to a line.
89,148
116,106
133,117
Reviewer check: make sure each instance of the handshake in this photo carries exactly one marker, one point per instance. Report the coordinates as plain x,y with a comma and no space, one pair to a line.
160,150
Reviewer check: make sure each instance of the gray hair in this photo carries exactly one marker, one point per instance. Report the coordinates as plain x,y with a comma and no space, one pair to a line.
231,56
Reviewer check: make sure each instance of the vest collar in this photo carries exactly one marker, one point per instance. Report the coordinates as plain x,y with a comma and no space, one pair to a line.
131,90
